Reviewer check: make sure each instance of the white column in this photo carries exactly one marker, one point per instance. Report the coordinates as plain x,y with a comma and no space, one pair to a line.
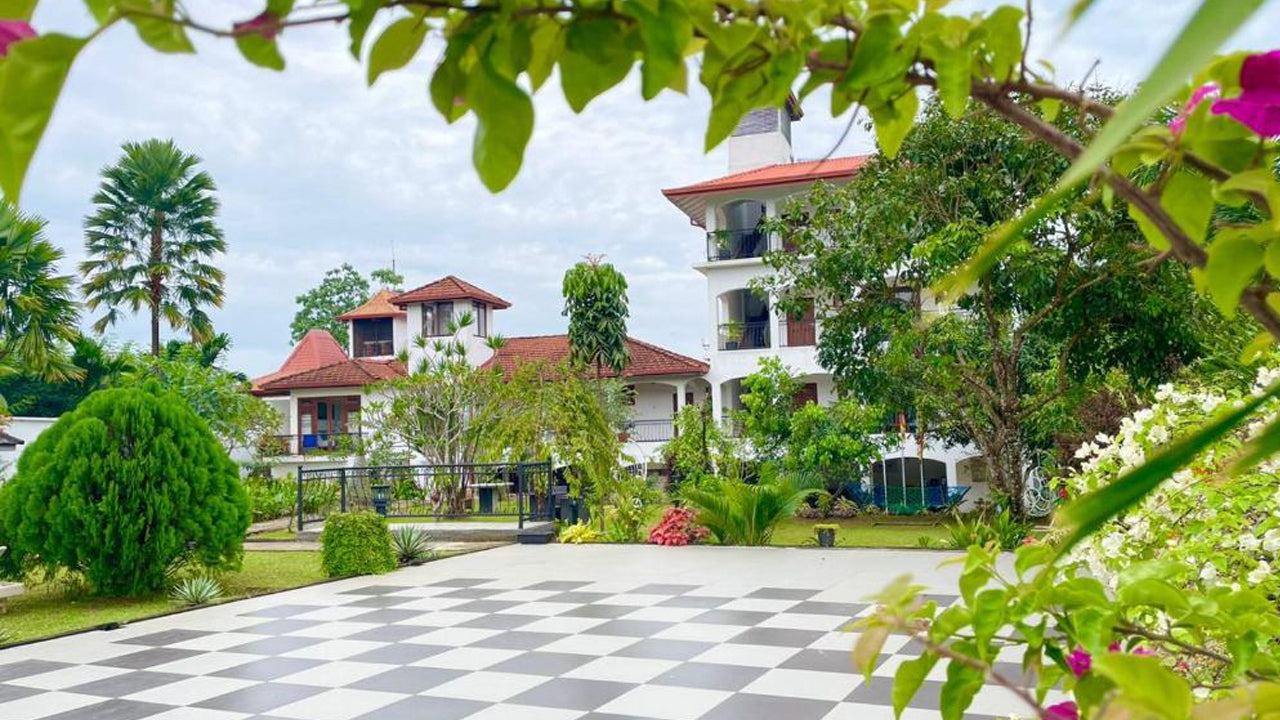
771,210
680,394
775,324
717,401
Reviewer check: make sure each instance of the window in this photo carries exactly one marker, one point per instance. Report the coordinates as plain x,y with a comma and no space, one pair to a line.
371,337
436,318
482,319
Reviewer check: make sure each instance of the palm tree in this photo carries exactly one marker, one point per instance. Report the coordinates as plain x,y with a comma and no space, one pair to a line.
150,240
37,313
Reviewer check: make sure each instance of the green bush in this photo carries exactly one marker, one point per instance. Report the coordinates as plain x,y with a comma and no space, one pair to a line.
124,489
356,543
739,513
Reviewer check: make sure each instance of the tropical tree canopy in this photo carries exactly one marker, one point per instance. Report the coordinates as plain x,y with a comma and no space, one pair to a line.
37,315
99,364
595,300
151,240
342,290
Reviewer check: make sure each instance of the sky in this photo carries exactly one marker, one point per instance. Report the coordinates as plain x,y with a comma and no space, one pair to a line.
315,169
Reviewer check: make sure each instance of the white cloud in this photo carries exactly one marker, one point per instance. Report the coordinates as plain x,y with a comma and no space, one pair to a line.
315,169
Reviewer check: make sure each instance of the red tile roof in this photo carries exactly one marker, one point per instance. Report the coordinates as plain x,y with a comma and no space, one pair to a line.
378,306
449,288
689,198
345,373
316,349
646,359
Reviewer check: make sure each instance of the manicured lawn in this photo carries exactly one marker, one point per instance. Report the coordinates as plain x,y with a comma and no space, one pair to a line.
875,531
46,611
274,535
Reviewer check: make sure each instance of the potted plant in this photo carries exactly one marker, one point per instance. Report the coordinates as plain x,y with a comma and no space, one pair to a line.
826,534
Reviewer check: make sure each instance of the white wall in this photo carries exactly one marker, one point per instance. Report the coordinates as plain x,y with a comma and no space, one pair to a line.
26,429
477,349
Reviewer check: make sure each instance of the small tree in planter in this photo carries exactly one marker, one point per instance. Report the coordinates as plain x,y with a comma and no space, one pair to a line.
122,489
826,534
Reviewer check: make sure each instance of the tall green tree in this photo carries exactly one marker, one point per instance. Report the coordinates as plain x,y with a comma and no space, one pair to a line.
37,314
151,241
98,363
595,300
341,290
387,278
994,369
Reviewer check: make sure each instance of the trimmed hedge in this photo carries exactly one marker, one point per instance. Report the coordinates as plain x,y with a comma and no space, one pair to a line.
121,489
356,543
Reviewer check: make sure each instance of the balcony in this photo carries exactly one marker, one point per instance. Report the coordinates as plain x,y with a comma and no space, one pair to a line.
797,333
649,430
744,336
736,244
307,444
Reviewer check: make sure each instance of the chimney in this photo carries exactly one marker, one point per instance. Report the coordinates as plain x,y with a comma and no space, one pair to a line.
763,137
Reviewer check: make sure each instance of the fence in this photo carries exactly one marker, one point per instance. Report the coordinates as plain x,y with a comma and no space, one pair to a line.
520,491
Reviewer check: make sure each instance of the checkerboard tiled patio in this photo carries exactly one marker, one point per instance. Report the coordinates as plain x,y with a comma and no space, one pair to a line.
518,633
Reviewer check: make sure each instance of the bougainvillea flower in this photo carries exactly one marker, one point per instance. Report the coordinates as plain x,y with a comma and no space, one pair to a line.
1062,711
267,25
11,31
1179,123
1079,661
1257,107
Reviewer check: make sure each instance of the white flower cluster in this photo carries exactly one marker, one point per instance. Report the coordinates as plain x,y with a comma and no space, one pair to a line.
1227,526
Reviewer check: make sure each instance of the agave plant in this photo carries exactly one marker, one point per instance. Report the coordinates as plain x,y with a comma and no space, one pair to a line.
196,590
739,513
410,544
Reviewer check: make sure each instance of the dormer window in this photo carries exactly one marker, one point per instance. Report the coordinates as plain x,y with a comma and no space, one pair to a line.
372,337
482,318
436,318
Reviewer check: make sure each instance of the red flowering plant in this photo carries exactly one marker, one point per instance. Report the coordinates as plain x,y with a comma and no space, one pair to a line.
678,526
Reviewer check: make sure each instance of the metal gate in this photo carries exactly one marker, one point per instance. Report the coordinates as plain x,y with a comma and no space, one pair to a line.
519,491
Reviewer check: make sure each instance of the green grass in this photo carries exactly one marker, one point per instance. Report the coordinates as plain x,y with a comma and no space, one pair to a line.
877,531
49,610
274,535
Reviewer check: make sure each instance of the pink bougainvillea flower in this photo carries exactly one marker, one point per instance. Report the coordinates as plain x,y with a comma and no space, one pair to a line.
1116,647
1079,661
11,31
1179,123
1257,107
1062,711
267,25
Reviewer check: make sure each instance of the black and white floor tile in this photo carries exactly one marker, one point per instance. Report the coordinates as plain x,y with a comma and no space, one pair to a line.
411,646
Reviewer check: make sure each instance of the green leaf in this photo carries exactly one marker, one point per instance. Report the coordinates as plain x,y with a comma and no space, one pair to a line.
1049,108
547,42
666,33
908,679
31,76
504,115
596,57
1156,593
1031,556
396,46
1259,182
952,65
893,120
1233,263
362,14
1004,38
875,57
163,35
988,616
260,51
1211,26
1091,511
1145,684
963,682
19,9
867,649
1188,199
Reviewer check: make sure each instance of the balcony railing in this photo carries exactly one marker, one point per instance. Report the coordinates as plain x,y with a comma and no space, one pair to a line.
649,430
305,444
800,333
374,348
736,244
744,336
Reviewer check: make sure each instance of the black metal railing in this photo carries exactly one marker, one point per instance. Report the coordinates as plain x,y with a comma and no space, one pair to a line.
744,336
649,430
736,244
375,348
520,491
797,333
308,443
